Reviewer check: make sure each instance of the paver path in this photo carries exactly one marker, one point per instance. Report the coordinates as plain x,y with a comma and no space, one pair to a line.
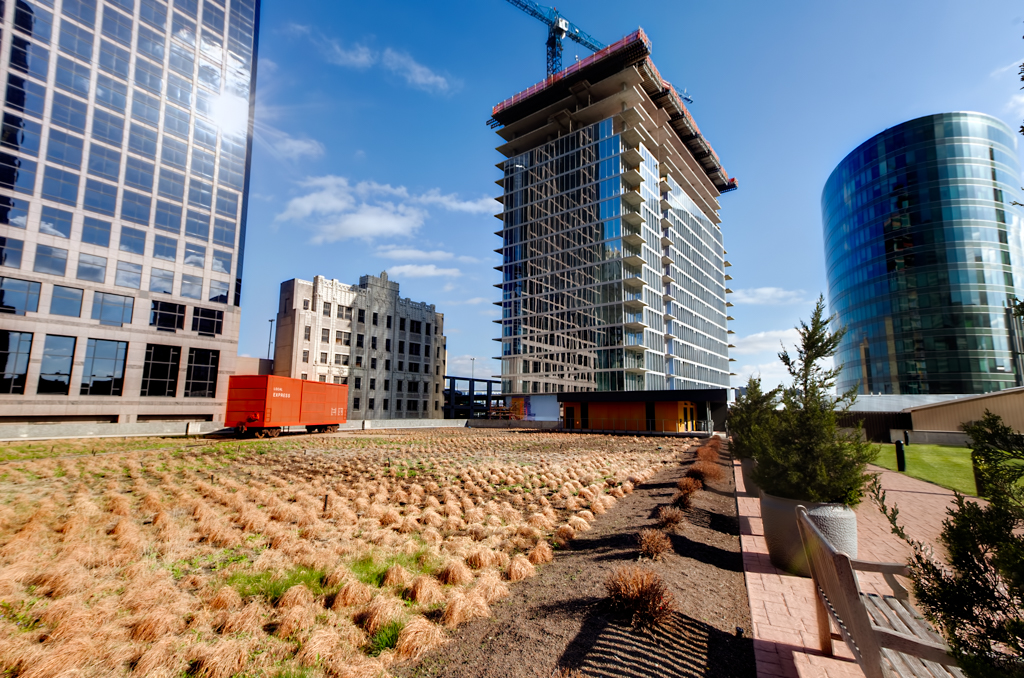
782,606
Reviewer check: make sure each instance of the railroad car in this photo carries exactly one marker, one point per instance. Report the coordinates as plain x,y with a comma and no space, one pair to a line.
263,405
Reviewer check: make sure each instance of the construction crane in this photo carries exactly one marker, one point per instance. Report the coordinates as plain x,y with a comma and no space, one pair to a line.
558,27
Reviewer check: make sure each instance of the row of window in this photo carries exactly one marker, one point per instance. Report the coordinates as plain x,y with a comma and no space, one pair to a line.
345,339
19,297
93,268
345,313
103,370
342,359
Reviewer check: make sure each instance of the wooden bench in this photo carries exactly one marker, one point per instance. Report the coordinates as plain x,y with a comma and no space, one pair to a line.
887,636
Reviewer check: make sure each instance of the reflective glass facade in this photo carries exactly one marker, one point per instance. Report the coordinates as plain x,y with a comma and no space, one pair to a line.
923,250
124,161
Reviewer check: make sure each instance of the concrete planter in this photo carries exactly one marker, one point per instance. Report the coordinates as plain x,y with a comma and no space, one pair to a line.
747,466
837,522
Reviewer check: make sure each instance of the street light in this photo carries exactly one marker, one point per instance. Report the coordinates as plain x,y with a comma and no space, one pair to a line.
270,338
472,363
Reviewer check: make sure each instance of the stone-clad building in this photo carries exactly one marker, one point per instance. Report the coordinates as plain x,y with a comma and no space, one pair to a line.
390,351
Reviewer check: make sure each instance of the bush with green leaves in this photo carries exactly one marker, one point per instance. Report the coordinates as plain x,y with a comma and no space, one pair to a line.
976,597
752,419
801,451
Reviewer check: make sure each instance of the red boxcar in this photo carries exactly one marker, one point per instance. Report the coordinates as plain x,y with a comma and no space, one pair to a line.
264,404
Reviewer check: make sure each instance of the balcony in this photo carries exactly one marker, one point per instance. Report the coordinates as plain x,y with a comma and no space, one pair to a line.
632,198
669,313
632,217
665,204
634,362
631,255
666,256
666,275
632,177
635,321
630,136
632,157
634,341
632,279
633,300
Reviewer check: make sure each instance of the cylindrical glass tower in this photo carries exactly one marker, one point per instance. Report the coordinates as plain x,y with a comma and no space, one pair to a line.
923,250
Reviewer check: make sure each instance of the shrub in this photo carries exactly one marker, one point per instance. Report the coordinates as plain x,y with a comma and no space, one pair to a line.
641,594
418,637
712,471
696,473
385,638
751,419
708,453
653,543
520,568
455,572
541,553
669,516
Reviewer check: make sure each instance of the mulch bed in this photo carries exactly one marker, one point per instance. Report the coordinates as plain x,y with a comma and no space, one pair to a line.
559,618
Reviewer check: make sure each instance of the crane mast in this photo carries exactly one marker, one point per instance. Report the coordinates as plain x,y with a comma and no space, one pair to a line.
558,28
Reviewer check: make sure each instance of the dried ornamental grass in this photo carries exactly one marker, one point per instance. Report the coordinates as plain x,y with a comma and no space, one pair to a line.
322,645
426,590
352,593
396,575
462,607
455,572
520,568
381,611
712,471
669,516
418,637
296,595
579,524
641,594
490,587
541,553
653,544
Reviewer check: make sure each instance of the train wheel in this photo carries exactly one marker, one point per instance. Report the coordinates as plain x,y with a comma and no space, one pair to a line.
333,428
260,433
273,432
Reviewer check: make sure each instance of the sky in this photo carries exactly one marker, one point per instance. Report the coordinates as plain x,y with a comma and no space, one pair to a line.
371,150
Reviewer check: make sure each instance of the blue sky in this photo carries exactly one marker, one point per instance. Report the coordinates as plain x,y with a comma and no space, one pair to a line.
371,150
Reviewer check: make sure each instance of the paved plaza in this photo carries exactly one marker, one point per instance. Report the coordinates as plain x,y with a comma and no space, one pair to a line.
782,606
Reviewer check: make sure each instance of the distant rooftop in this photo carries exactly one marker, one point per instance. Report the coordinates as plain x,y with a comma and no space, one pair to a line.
632,50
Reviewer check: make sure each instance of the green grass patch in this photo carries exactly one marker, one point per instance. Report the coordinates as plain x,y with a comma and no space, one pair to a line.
272,586
371,571
385,639
949,467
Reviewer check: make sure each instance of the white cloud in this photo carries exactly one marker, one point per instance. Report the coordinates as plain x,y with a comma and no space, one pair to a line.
451,202
414,73
448,287
772,374
413,254
424,271
1012,66
764,341
477,300
768,296
357,56
463,366
335,209
288,147
1016,105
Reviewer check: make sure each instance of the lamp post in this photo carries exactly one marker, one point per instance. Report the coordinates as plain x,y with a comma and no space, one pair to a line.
472,363
270,338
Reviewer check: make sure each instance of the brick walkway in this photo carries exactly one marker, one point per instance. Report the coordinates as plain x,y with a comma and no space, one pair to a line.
782,606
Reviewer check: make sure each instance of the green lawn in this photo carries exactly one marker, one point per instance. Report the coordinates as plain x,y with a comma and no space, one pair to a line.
946,466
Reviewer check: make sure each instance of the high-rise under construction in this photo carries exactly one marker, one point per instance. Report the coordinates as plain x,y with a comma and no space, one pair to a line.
613,273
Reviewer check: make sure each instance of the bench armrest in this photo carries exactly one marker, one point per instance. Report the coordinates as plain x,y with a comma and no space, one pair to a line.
927,650
887,570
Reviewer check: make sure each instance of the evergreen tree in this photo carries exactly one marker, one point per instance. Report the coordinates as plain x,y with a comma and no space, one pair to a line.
752,419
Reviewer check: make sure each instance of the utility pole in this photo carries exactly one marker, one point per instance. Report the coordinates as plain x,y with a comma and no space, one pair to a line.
270,338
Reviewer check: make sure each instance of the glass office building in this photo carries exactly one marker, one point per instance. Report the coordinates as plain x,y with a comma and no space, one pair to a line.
923,249
613,274
124,161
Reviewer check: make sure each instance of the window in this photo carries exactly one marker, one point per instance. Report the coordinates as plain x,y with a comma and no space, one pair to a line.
13,212
192,286
387,384
414,387
373,342
207,321
113,59
153,13
55,369
17,173
34,21
15,348
128,275
91,268
197,225
221,261
111,93
327,309
166,316
398,386
369,404
60,185
73,76
160,371
414,349
132,240
373,363
201,375
10,252
63,148
30,58
325,336
83,11
96,232
174,153
195,255
428,329
202,165
323,357
414,367
52,260
373,383
355,403
135,207
398,406
401,324
104,162
305,357
139,174
389,322
306,332
373,320
323,378
305,304
219,291
337,358
25,96
387,364
151,44
415,326
142,140
435,406
387,344
66,301
359,382
344,359
362,315
149,76
412,405
108,127
179,90
304,376
348,313
18,296
400,368
339,380
348,339
401,347
172,184
182,60
103,373
176,121
359,341
165,248
112,309
55,222
100,197
384,405
168,217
